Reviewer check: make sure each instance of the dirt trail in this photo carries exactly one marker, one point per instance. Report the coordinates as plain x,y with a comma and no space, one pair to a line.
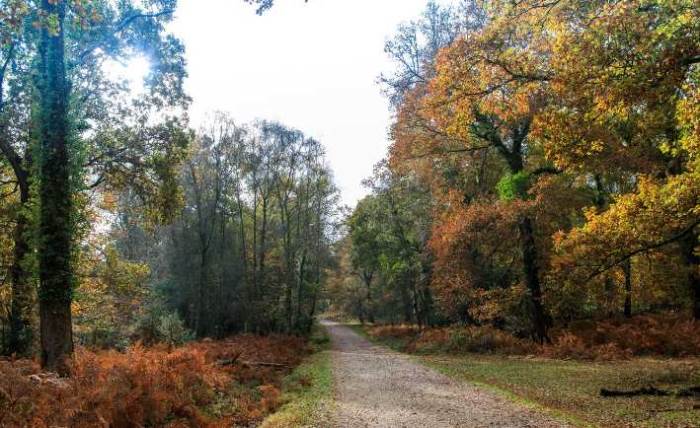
376,387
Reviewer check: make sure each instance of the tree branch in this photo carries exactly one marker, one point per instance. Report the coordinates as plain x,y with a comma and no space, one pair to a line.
121,26
546,170
644,249
690,60
449,151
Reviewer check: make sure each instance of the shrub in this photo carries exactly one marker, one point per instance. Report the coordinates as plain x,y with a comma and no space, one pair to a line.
101,337
171,330
157,325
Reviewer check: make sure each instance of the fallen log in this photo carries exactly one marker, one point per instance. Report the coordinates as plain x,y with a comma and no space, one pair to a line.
693,391
649,390
265,364
232,361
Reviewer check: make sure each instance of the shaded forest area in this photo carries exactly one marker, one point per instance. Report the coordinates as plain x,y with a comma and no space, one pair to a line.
542,185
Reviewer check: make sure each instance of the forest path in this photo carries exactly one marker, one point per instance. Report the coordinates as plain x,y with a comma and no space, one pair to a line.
377,387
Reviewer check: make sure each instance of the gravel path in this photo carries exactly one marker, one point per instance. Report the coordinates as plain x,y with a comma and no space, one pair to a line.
376,387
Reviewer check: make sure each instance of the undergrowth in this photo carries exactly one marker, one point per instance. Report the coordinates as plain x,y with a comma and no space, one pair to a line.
667,336
205,384
308,390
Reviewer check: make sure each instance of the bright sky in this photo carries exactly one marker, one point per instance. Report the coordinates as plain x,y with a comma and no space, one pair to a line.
312,66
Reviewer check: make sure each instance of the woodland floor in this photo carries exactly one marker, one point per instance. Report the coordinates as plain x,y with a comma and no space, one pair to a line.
377,387
566,388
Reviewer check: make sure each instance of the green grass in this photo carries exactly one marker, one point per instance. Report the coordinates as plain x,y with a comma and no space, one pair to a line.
307,393
570,390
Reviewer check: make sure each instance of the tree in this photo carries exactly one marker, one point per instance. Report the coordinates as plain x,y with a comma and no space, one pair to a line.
489,86
113,132
389,233
365,251
250,249
55,193
641,127
414,48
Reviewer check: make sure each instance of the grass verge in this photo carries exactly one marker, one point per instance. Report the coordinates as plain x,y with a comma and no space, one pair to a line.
570,390
307,392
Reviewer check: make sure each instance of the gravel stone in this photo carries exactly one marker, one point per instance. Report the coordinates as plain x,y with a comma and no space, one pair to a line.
377,387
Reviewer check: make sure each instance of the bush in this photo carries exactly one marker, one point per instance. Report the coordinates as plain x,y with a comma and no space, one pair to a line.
102,337
158,325
171,330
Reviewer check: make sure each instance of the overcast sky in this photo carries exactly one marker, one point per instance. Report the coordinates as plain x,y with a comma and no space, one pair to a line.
312,66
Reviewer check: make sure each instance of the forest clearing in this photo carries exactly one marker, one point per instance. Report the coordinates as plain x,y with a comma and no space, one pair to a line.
429,213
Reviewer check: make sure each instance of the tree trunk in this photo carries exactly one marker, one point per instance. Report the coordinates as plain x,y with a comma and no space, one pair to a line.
312,313
300,288
367,278
407,302
610,295
416,304
200,326
532,279
688,245
21,331
55,267
21,310
627,268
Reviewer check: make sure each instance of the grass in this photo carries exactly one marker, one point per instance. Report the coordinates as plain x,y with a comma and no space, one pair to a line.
570,390
307,393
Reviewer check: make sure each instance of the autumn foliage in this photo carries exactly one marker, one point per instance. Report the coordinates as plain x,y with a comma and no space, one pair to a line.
203,384
613,339
554,152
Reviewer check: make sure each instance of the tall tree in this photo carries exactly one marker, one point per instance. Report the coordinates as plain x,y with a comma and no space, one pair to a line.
112,140
488,88
55,191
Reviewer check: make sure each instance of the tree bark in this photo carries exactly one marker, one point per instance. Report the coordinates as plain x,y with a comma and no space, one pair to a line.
55,267
532,279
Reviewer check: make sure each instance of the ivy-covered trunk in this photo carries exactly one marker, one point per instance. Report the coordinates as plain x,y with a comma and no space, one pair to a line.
55,225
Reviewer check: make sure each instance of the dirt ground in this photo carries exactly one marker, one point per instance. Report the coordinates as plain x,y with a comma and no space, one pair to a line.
376,387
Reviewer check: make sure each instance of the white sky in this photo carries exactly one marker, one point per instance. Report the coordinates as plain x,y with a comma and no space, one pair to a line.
312,66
